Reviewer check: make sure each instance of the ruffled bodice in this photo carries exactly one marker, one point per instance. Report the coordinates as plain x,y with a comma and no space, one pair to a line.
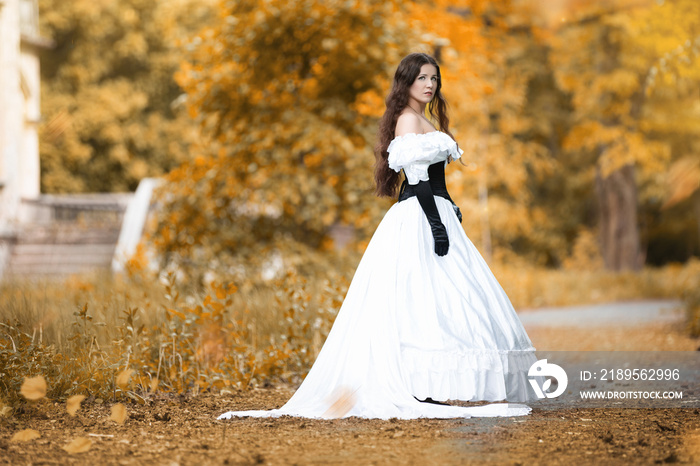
414,153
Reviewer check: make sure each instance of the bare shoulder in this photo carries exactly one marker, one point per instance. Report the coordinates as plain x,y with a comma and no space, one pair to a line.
408,122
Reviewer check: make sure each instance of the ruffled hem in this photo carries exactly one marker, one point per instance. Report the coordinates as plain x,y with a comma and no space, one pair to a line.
503,361
472,375
416,152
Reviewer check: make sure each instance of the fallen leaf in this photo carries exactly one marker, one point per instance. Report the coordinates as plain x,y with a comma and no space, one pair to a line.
78,445
34,388
123,378
73,404
5,410
25,435
154,384
118,413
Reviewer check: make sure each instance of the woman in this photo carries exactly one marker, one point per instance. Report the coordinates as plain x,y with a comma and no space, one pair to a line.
424,319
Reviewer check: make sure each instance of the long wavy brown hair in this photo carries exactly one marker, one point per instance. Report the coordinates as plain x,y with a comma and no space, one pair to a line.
387,180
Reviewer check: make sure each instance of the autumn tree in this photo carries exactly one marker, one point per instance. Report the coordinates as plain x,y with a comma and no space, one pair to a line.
109,98
607,75
671,34
288,94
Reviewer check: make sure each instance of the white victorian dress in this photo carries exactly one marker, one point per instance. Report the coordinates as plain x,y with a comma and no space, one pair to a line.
415,325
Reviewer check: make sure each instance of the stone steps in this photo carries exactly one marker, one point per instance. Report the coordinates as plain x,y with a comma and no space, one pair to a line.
56,250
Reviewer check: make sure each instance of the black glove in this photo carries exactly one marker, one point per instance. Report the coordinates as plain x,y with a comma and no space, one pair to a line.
427,203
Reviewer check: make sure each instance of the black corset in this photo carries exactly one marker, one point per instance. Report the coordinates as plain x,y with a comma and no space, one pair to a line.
436,178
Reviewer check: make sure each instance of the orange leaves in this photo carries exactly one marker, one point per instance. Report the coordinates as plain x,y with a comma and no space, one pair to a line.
369,103
214,305
123,378
590,134
284,120
617,146
34,388
154,384
118,413
557,14
25,435
223,293
287,175
179,314
313,160
73,404
78,445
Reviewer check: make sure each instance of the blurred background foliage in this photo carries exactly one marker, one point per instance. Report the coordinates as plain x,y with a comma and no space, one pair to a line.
579,120
109,101
287,93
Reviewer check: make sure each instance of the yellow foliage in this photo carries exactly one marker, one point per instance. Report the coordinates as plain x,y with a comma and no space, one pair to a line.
585,254
108,93
291,130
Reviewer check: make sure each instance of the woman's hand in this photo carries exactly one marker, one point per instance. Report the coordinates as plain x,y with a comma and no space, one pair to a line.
442,242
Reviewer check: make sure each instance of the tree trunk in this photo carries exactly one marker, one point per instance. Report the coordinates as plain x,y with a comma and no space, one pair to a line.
619,232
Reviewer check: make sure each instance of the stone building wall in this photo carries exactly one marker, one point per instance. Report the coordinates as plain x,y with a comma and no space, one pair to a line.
11,113
20,113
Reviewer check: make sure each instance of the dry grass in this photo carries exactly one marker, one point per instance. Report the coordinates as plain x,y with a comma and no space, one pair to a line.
81,333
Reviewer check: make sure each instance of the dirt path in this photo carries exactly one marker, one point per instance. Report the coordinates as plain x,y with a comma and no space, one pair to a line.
183,431
628,314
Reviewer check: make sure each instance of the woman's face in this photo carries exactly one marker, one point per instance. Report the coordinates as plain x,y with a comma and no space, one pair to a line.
423,88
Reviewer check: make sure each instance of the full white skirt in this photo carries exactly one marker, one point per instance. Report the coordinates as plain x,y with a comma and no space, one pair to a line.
416,325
